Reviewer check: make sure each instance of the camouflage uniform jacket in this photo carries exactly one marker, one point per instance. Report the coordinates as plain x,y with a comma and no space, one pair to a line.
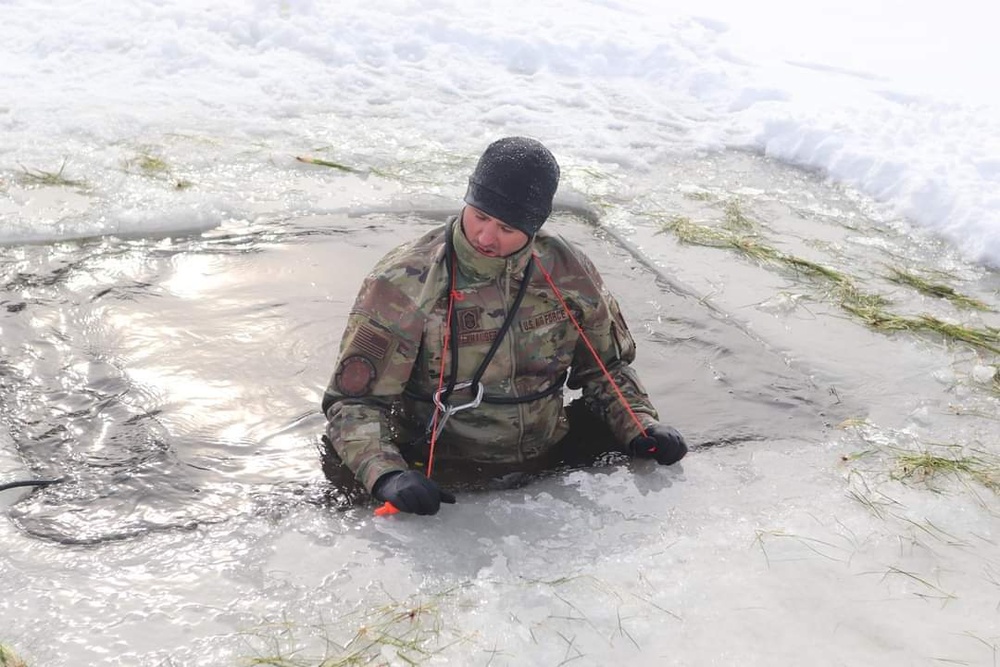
392,349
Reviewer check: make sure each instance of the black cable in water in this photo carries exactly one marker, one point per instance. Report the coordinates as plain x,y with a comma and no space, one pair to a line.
29,482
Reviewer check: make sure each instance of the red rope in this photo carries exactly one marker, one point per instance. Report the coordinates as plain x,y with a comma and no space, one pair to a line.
586,341
453,296
388,508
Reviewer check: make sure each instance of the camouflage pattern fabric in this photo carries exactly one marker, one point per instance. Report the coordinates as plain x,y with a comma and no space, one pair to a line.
395,340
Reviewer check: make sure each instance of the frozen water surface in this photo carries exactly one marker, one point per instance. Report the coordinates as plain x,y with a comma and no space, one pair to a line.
174,382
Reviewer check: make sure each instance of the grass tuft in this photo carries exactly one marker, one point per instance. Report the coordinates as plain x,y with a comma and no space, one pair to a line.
153,166
735,219
411,632
866,306
814,270
881,320
925,467
10,659
687,231
50,178
417,631
936,290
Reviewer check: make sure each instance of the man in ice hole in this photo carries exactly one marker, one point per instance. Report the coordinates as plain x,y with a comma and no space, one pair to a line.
460,343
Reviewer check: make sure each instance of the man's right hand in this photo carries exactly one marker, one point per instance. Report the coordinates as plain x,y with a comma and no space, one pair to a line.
410,491
661,442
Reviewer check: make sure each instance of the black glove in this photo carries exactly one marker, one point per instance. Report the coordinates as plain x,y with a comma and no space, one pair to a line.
661,442
411,491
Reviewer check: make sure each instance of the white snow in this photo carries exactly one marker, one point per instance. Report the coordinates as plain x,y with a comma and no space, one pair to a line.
892,98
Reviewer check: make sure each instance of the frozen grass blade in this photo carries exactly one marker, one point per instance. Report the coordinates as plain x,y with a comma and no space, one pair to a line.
623,632
700,195
962,411
815,270
868,503
810,543
939,534
941,594
319,162
570,646
988,644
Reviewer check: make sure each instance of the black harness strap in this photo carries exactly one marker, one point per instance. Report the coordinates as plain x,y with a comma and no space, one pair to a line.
496,399
504,328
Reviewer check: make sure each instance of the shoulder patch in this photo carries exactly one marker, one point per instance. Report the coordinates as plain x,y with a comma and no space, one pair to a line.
371,341
355,376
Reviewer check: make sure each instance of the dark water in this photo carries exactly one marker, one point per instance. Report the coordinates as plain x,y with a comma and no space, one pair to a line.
175,382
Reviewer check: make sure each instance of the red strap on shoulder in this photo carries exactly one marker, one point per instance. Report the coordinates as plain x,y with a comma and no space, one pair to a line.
590,346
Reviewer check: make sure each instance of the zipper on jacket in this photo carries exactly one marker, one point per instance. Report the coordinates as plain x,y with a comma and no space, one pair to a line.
512,351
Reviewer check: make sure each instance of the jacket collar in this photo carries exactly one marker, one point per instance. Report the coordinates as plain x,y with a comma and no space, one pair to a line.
475,267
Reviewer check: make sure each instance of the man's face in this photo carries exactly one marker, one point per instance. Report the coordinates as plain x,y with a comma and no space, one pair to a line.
491,236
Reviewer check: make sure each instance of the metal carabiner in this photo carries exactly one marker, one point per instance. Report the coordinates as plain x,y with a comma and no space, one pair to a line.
474,403
448,410
442,420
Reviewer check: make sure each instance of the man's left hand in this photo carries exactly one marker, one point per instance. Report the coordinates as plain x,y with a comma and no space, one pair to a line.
661,442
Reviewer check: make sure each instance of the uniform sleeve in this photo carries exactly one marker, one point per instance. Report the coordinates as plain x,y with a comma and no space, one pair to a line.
608,333
377,353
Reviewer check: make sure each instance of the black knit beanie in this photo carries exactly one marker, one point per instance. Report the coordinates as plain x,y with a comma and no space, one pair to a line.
515,181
